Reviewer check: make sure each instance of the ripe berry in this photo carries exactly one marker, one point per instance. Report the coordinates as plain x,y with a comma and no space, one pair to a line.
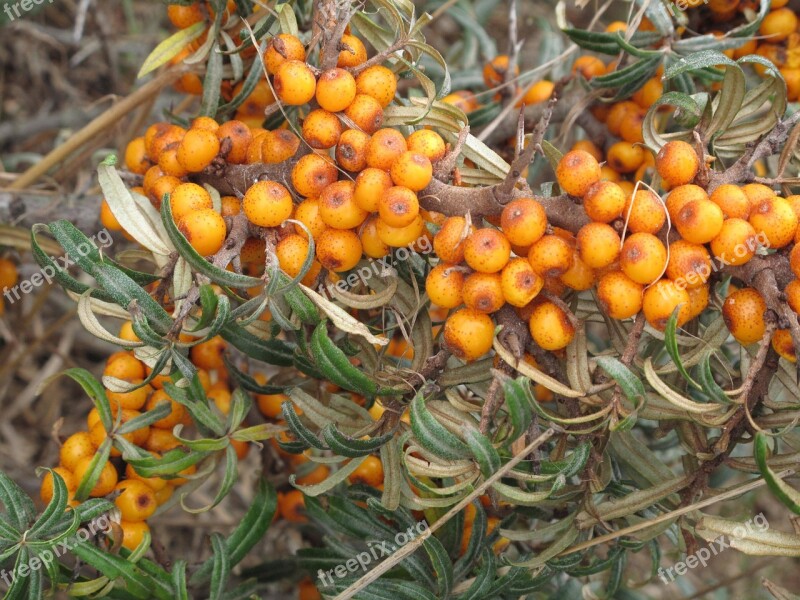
494,71
267,204
775,218
169,163
281,48
699,221
311,175
743,311
792,293
384,148
681,196
75,448
321,129
551,327
338,249
427,143
278,146
598,245
185,16
778,25
133,533
239,138
412,170
618,114
230,206
369,472
604,201
292,252
398,206
551,256
783,344
270,405
469,333
625,157
577,171
351,150
133,400
336,89
379,83
136,159
487,250
294,83
161,440
677,163
204,229
631,128
124,366
732,200
520,283
307,212
689,264
136,501
338,208
523,221
197,149
536,93
371,242
162,187
589,66
579,276
208,355
647,214
698,300
643,258
371,184
352,53
794,260
444,286
366,113
46,490
397,237
176,414
187,197
661,299
619,295
448,243
484,292
105,483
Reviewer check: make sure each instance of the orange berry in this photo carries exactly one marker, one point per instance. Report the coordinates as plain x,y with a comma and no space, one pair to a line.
619,295
378,82
46,490
187,197
136,501
523,221
520,283
483,292
551,256
618,114
371,242
428,143
661,299
294,83
307,212
317,475
643,258
589,66
312,174
206,123
161,188
155,483
351,150
336,89
352,53
204,229
689,264
125,366
105,483
647,213
778,25
651,91
412,170
551,328
494,71
185,16
598,245
677,163
631,128
321,129
278,146
338,249
208,355
133,400
75,448
792,293
580,276
369,472
270,405
169,163
371,185
444,286
136,159
732,200
161,440
159,136
398,206
397,237
177,410
292,252
366,113
776,220
239,138
281,48
230,206
743,311
468,334
698,300
197,149
107,219
487,250
577,171
292,506
133,533
794,260
537,92
384,148
624,157
783,344
448,243
681,196
338,208
604,201
699,221
267,204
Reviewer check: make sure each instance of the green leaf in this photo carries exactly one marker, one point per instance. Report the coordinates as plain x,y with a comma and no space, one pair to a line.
96,465
54,512
171,47
221,567
483,451
351,447
442,565
19,509
212,82
298,428
95,391
519,410
273,352
432,435
782,490
336,367
628,382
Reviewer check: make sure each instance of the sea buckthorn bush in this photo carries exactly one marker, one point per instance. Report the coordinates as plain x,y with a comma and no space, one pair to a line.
545,309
